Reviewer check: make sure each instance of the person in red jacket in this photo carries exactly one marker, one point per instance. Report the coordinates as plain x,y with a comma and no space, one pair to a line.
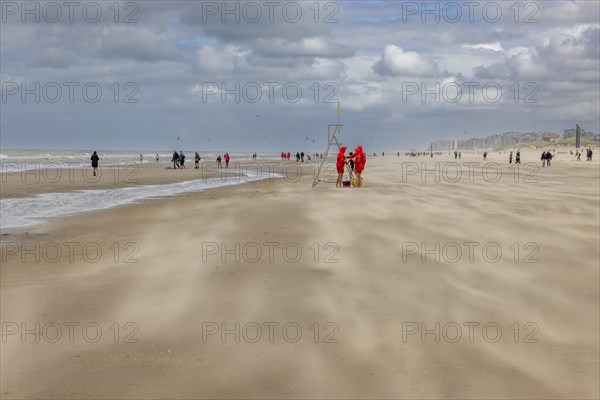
360,159
340,163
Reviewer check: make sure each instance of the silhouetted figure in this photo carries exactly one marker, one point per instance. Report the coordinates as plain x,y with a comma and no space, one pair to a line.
544,159
95,159
175,159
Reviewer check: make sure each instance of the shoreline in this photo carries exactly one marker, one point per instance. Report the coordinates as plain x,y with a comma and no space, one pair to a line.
26,183
163,182
76,198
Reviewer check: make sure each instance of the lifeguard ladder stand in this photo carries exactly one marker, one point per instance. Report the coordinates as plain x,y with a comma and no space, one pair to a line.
331,139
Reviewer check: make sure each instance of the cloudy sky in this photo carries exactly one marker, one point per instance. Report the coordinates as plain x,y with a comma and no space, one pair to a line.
267,75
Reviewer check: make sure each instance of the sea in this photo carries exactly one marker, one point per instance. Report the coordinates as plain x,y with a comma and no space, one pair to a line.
30,211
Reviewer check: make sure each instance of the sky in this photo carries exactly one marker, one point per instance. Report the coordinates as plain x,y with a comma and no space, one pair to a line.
268,75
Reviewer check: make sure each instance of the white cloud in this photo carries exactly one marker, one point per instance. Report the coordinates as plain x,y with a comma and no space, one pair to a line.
496,46
395,61
306,47
217,60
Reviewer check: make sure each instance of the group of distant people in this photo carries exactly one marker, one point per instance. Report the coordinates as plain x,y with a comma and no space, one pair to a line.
357,160
416,154
546,159
285,156
588,152
227,158
299,156
178,159
517,157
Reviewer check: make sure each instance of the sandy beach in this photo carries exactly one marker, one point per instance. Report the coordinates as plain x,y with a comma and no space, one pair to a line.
478,287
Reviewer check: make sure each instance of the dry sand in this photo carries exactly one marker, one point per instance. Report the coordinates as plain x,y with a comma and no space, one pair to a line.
366,299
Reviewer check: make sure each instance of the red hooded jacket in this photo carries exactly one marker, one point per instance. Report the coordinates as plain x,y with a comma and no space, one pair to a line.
341,157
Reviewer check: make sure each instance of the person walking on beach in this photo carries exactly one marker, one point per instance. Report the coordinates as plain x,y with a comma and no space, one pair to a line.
459,154
455,154
297,157
302,156
181,159
288,155
197,159
226,160
591,154
548,158
219,162
141,158
340,163
95,160
484,155
510,158
518,157
544,159
157,158
175,159
578,155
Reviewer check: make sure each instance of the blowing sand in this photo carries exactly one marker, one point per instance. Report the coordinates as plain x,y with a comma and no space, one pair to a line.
503,273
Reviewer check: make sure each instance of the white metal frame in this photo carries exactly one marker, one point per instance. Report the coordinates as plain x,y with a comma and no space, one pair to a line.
332,139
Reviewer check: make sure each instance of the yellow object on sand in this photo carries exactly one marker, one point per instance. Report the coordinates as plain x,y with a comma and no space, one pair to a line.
354,182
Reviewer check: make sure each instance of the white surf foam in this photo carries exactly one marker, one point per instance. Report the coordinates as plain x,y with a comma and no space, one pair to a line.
30,211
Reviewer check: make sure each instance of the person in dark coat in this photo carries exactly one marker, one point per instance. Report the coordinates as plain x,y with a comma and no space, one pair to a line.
543,159
95,160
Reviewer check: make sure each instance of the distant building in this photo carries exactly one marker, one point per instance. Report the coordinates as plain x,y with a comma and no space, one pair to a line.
550,136
493,142
444,145
506,139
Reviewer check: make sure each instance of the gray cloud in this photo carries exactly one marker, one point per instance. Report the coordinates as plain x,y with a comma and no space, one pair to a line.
368,54
396,61
566,57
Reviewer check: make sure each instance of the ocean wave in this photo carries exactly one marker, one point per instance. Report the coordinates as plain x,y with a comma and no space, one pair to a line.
30,211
